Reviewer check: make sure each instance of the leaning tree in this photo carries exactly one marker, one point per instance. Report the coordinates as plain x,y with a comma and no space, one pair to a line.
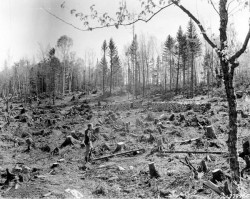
228,61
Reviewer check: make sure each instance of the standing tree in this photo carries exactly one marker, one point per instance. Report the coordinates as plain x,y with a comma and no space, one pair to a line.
53,72
168,54
133,54
180,38
64,43
194,47
104,65
112,55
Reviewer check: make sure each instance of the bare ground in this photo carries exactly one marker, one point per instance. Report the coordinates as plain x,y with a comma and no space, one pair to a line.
120,176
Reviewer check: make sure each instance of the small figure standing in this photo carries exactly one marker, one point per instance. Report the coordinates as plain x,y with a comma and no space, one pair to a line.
88,142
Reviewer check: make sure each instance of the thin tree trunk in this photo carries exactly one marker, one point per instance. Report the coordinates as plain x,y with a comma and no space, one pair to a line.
170,73
177,77
192,76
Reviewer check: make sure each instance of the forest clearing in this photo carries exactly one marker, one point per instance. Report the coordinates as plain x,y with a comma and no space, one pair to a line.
120,99
43,172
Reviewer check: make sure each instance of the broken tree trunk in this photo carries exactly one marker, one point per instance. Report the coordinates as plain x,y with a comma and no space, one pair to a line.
152,170
210,133
120,146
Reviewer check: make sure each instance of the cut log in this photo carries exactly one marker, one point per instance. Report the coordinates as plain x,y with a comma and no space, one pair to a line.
212,186
134,152
198,152
120,146
152,170
68,141
210,132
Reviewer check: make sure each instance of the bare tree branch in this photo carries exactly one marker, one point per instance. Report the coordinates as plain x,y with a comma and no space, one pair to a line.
211,1
243,48
64,20
110,25
197,22
229,4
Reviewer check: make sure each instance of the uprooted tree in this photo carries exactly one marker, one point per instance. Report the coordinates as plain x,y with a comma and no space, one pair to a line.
228,59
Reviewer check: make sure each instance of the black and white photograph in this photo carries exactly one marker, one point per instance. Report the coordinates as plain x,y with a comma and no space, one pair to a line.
125,99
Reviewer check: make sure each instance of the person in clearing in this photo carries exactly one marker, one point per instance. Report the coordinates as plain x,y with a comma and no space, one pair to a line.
88,142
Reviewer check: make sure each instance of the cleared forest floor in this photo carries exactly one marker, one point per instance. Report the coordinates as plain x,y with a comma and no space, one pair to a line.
42,174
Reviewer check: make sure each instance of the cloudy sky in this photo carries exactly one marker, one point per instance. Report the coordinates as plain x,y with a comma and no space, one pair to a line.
25,25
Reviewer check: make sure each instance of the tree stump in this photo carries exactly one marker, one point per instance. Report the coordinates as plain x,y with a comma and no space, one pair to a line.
151,138
22,111
160,145
97,130
156,121
45,148
172,117
105,147
218,176
210,132
203,167
182,118
152,171
68,141
120,146
127,126
55,151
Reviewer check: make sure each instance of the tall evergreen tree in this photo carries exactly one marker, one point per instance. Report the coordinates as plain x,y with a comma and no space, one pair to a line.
104,64
194,47
168,55
112,55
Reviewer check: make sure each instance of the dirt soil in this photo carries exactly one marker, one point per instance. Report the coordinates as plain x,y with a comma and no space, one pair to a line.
41,172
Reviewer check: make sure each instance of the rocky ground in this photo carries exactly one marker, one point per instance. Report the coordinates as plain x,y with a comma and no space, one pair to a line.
41,164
